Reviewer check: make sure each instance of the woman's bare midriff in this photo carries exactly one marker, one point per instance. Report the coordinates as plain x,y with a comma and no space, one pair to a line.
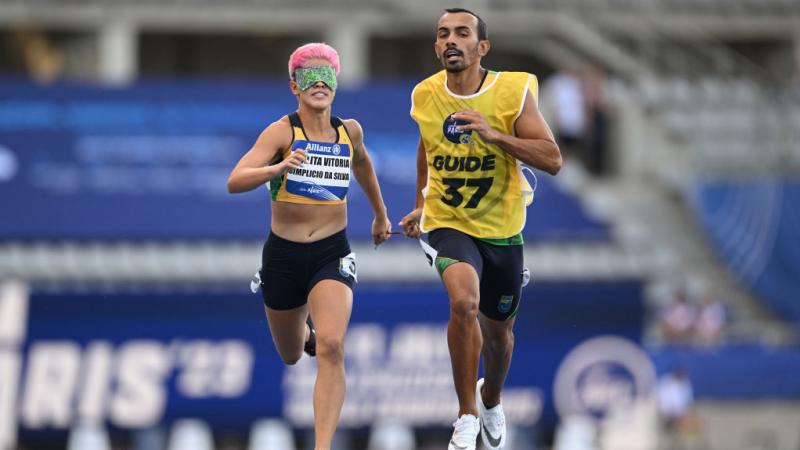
302,223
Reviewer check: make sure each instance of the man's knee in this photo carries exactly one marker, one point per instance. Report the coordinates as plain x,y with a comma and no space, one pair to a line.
464,306
499,342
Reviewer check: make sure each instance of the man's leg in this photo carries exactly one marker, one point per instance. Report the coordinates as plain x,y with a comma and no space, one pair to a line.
500,292
498,345
463,332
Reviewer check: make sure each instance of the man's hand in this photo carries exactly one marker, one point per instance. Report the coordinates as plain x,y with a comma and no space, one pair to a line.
476,122
381,227
410,223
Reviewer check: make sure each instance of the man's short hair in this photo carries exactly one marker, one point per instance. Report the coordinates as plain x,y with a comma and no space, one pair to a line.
483,34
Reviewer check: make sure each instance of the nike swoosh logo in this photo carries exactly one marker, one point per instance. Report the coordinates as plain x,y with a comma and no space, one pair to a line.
493,441
454,445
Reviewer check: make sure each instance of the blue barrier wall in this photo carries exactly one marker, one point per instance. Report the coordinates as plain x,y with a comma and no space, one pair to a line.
737,372
753,225
151,161
138,359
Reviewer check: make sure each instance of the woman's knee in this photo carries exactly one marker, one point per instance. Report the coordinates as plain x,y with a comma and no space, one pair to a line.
330,348
290,357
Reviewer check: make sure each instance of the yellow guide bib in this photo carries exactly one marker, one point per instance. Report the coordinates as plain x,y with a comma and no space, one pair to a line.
473,186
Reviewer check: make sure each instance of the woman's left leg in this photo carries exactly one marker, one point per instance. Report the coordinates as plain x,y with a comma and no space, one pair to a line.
330,303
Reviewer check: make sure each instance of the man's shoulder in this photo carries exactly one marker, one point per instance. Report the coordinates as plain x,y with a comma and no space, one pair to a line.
431,82
513,84
424,91
515,77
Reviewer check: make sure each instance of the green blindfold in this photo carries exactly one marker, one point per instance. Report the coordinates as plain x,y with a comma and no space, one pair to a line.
305,77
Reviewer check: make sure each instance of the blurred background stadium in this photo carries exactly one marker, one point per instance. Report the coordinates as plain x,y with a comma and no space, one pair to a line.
665,302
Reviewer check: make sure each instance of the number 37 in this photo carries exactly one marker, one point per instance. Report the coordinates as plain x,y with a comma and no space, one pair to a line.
453,197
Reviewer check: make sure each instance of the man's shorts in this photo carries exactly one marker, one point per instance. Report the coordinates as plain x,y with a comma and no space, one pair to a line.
289,270
499,269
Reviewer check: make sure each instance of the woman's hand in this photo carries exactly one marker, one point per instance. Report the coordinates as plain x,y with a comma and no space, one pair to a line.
381,227
295,160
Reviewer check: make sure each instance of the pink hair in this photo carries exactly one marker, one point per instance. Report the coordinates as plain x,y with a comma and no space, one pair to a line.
311,51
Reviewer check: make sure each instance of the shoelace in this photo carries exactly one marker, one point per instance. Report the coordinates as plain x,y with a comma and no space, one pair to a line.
464,426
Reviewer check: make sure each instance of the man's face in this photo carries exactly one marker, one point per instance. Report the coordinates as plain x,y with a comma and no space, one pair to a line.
457,45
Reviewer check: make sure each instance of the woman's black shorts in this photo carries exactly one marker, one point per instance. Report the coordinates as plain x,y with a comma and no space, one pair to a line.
289,270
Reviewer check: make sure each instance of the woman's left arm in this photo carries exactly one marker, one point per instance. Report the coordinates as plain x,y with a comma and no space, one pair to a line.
365,175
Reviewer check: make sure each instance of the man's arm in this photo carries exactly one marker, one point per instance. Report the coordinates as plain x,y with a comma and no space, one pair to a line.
422,174
410,222
365,175
533,144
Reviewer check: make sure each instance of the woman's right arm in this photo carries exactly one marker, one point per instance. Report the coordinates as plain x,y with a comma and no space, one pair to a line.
254,169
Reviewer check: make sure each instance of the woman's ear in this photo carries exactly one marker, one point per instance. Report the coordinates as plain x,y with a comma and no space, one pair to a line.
294,88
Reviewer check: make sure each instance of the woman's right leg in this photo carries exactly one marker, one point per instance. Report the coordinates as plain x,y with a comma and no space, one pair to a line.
284,293
331,302
289,331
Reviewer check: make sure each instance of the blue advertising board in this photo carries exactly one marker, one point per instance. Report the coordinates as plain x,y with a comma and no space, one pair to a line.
135,360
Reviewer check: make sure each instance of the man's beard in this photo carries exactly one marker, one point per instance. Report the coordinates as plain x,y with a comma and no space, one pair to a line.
459,66
456,68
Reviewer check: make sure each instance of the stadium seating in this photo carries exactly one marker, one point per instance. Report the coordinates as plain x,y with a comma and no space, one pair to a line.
268,434
88,437
729,125
167,149
190,434
391,436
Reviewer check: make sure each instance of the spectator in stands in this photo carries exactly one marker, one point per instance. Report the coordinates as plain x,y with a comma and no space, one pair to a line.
565,96
678,320
710,322
597,120
476,127
307,265
676,407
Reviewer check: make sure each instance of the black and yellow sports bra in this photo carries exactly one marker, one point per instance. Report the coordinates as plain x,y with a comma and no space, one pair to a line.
325,176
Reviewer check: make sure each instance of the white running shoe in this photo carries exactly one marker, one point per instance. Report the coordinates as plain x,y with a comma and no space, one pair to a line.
493,422
465,435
